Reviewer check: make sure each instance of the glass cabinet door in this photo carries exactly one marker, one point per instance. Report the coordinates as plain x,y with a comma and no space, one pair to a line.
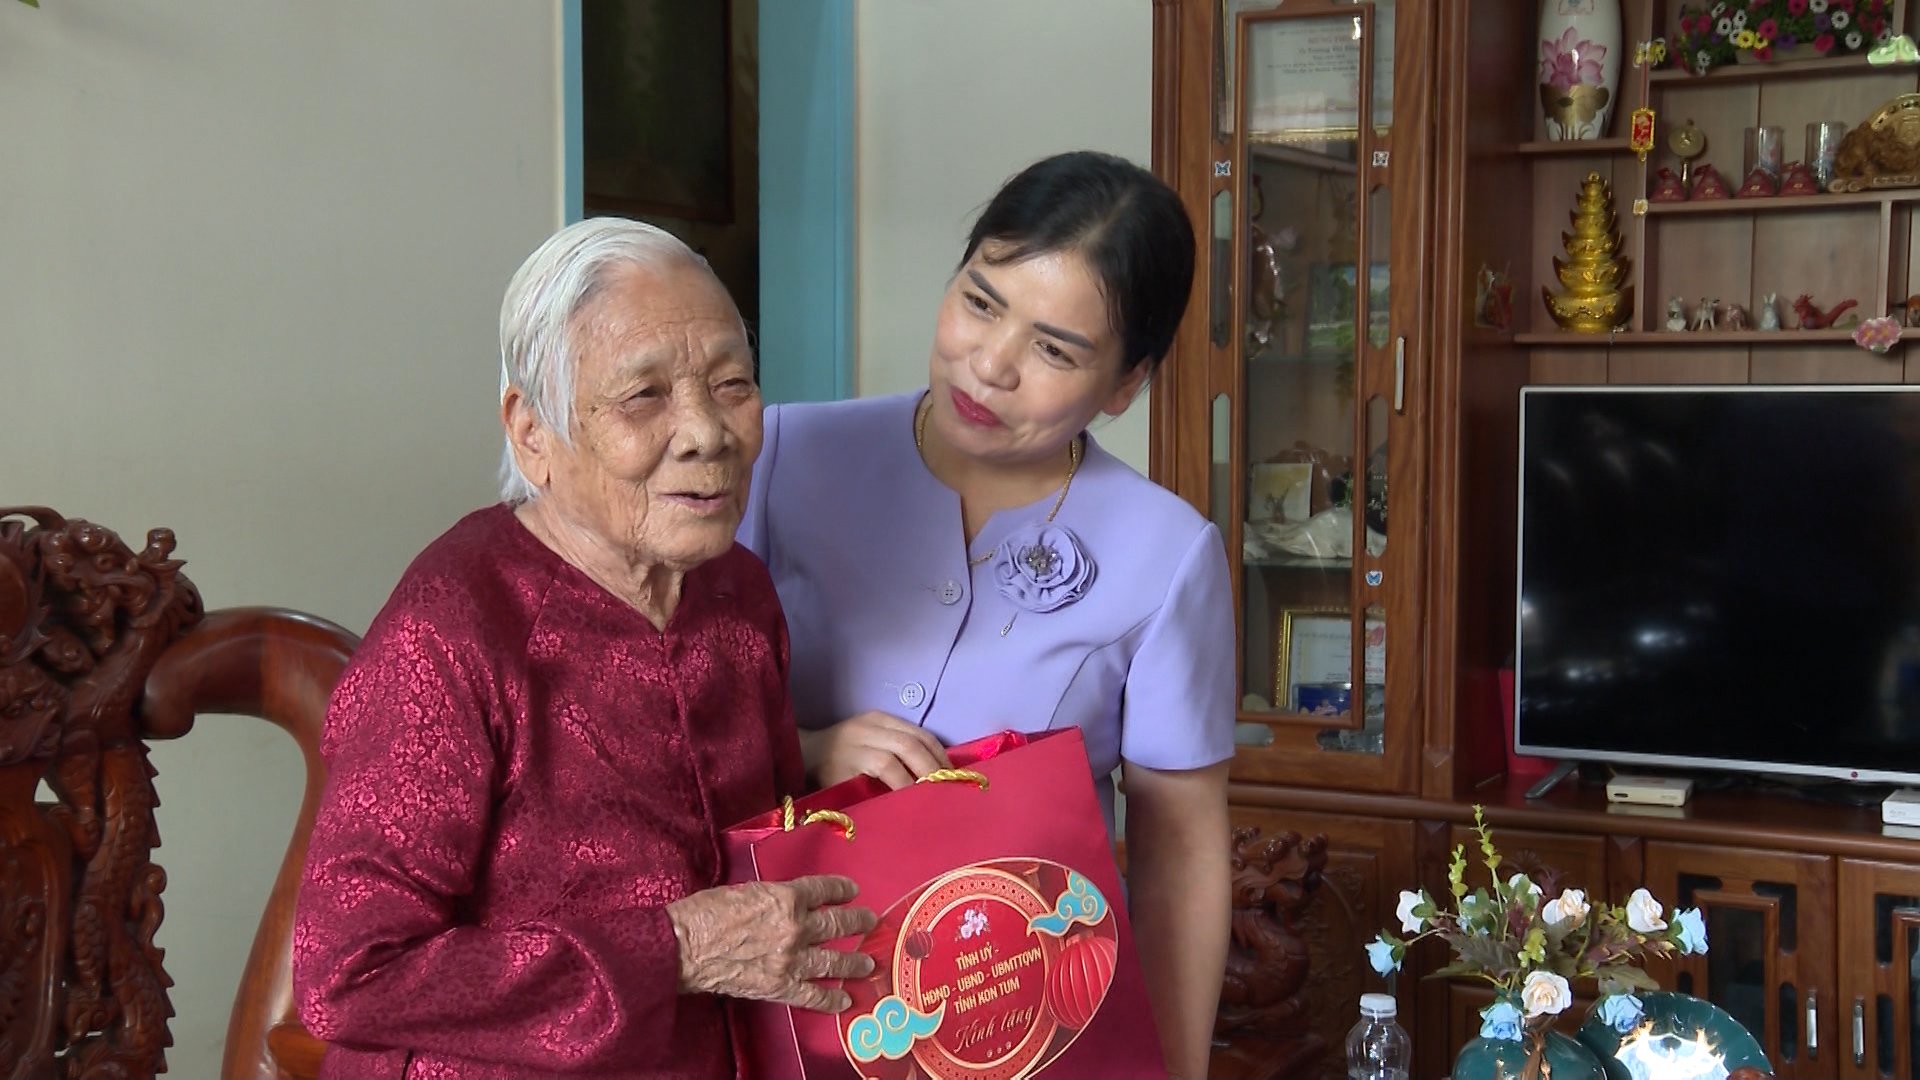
1879,970
1770,932
1317,365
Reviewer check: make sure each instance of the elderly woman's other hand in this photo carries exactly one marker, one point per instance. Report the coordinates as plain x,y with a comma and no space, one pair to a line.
763,940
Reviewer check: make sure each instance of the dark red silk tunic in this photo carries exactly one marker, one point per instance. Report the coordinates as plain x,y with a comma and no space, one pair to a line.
524,772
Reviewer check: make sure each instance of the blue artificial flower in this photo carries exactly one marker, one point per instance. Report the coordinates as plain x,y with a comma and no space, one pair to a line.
1380,955
1500,1020
1622,1012
1693,930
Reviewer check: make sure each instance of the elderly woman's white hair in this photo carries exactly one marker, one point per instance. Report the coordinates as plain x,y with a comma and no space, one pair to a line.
537,353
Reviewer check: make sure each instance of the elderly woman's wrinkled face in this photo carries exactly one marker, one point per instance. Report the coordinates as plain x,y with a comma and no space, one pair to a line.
666,419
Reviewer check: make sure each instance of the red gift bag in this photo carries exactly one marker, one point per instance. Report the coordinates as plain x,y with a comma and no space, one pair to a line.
1003,949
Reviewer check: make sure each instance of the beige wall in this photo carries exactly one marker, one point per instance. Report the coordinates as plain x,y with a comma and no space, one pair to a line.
250,259
953,98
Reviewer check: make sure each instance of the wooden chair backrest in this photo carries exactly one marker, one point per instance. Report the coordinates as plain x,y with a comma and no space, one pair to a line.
103,649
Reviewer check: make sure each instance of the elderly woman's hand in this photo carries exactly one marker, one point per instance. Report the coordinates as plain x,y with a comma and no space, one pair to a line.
884,747
762,941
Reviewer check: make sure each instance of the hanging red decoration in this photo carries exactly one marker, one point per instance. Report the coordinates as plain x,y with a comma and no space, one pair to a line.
919,944
1080,979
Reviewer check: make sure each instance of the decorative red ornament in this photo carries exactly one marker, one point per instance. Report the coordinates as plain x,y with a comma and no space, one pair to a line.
1640,134
1080,979
919,944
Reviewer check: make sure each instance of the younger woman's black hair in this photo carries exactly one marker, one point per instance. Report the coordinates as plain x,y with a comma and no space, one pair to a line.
1128,226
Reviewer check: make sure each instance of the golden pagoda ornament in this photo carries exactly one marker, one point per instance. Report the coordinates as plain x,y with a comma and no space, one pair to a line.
1595,301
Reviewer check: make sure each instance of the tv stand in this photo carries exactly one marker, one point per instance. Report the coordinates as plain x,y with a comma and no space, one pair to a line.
1552,780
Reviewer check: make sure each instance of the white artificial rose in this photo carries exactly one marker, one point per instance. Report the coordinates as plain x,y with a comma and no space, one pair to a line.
1409,922
1643,913
1521,884
1569,905
1545,994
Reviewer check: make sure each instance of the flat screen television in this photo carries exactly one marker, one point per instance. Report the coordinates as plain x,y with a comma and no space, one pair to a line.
1721,578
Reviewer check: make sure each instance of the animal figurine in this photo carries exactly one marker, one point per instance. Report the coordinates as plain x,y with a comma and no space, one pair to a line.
1768,314
1911,307
1703,315
1676,314
1812,318
1735,317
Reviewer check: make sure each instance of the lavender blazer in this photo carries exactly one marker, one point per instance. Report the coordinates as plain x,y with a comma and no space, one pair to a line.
865,547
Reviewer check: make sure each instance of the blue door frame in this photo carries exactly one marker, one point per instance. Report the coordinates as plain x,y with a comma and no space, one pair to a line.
806,190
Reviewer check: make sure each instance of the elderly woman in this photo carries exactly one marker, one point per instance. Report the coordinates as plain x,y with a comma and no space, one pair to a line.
965,557
515,867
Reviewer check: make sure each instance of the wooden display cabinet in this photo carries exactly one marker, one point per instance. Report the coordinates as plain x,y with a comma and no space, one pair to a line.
1812,909
1292,415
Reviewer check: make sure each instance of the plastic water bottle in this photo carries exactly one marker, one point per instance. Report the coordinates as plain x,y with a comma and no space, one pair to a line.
1377,1047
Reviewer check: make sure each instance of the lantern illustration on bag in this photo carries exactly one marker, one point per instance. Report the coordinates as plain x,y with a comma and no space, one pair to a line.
1079,981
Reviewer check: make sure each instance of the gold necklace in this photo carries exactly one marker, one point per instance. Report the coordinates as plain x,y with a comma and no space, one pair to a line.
1073,466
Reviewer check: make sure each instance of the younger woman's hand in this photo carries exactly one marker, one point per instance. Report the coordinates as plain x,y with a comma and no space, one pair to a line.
884,747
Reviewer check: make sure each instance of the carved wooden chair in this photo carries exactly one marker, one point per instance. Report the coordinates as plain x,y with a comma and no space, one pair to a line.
102,649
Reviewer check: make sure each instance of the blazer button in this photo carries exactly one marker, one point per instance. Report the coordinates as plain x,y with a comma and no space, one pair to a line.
912,694
949,593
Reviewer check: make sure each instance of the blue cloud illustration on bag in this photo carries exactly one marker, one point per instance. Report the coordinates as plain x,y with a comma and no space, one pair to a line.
1081,903
890,1029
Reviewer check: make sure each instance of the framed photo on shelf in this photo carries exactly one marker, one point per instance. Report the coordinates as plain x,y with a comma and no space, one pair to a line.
1305,81
1280,491
1313,663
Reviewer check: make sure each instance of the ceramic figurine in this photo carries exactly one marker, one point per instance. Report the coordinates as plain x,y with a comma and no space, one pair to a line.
1759,184
1769,313
1910,308
1676,314
1708,184
1812,318
1667,187
1735,317
1703,315
1799,180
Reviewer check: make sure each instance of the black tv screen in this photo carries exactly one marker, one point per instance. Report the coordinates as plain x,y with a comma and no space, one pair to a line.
1721,578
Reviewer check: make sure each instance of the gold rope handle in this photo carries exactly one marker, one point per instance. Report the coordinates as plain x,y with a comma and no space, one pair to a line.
949,775
834,817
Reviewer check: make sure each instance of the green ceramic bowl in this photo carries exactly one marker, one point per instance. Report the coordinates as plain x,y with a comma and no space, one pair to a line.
1501,1059
1682,1016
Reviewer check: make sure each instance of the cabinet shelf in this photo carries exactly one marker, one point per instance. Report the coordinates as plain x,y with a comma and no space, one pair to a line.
1265,359
1686,339
1855,64
1573,147
1298,562
1784,203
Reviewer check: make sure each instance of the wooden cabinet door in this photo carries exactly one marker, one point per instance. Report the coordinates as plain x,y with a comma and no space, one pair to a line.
1879,969
1770,923
1298,963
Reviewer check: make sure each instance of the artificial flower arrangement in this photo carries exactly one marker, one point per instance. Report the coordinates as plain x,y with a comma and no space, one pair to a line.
1720,32
1531,943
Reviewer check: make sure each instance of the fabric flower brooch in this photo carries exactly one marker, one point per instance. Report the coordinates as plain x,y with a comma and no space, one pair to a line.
1041,568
